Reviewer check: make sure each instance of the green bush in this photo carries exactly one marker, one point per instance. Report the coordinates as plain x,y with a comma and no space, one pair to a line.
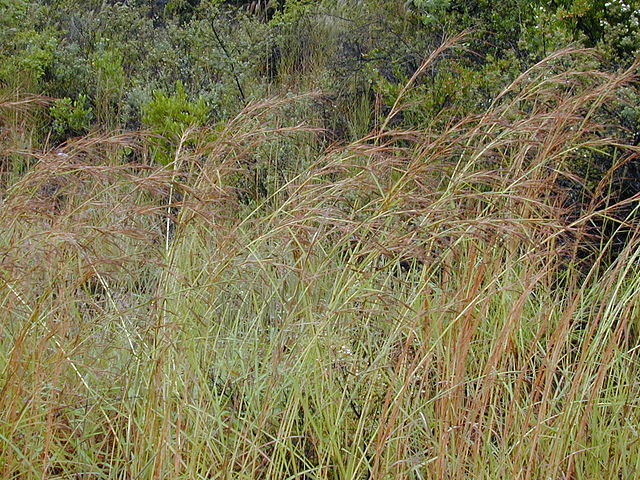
169,116
71,118
26,49
110,81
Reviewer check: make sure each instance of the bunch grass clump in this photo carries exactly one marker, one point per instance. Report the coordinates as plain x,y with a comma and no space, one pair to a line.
415,304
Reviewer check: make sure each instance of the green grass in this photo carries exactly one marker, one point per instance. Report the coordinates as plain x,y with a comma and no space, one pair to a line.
410,305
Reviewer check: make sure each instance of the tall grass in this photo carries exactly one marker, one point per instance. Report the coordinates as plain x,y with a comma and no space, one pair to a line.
410,305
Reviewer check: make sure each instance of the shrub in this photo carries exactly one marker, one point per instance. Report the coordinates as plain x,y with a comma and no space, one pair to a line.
110,81
26,49
169,116
71,118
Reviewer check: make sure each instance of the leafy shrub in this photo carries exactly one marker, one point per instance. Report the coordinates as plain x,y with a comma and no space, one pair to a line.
26,49
621,29
431,10
110,81
71,118
169,116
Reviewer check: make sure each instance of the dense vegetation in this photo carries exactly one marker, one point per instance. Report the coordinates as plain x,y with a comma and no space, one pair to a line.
332,239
